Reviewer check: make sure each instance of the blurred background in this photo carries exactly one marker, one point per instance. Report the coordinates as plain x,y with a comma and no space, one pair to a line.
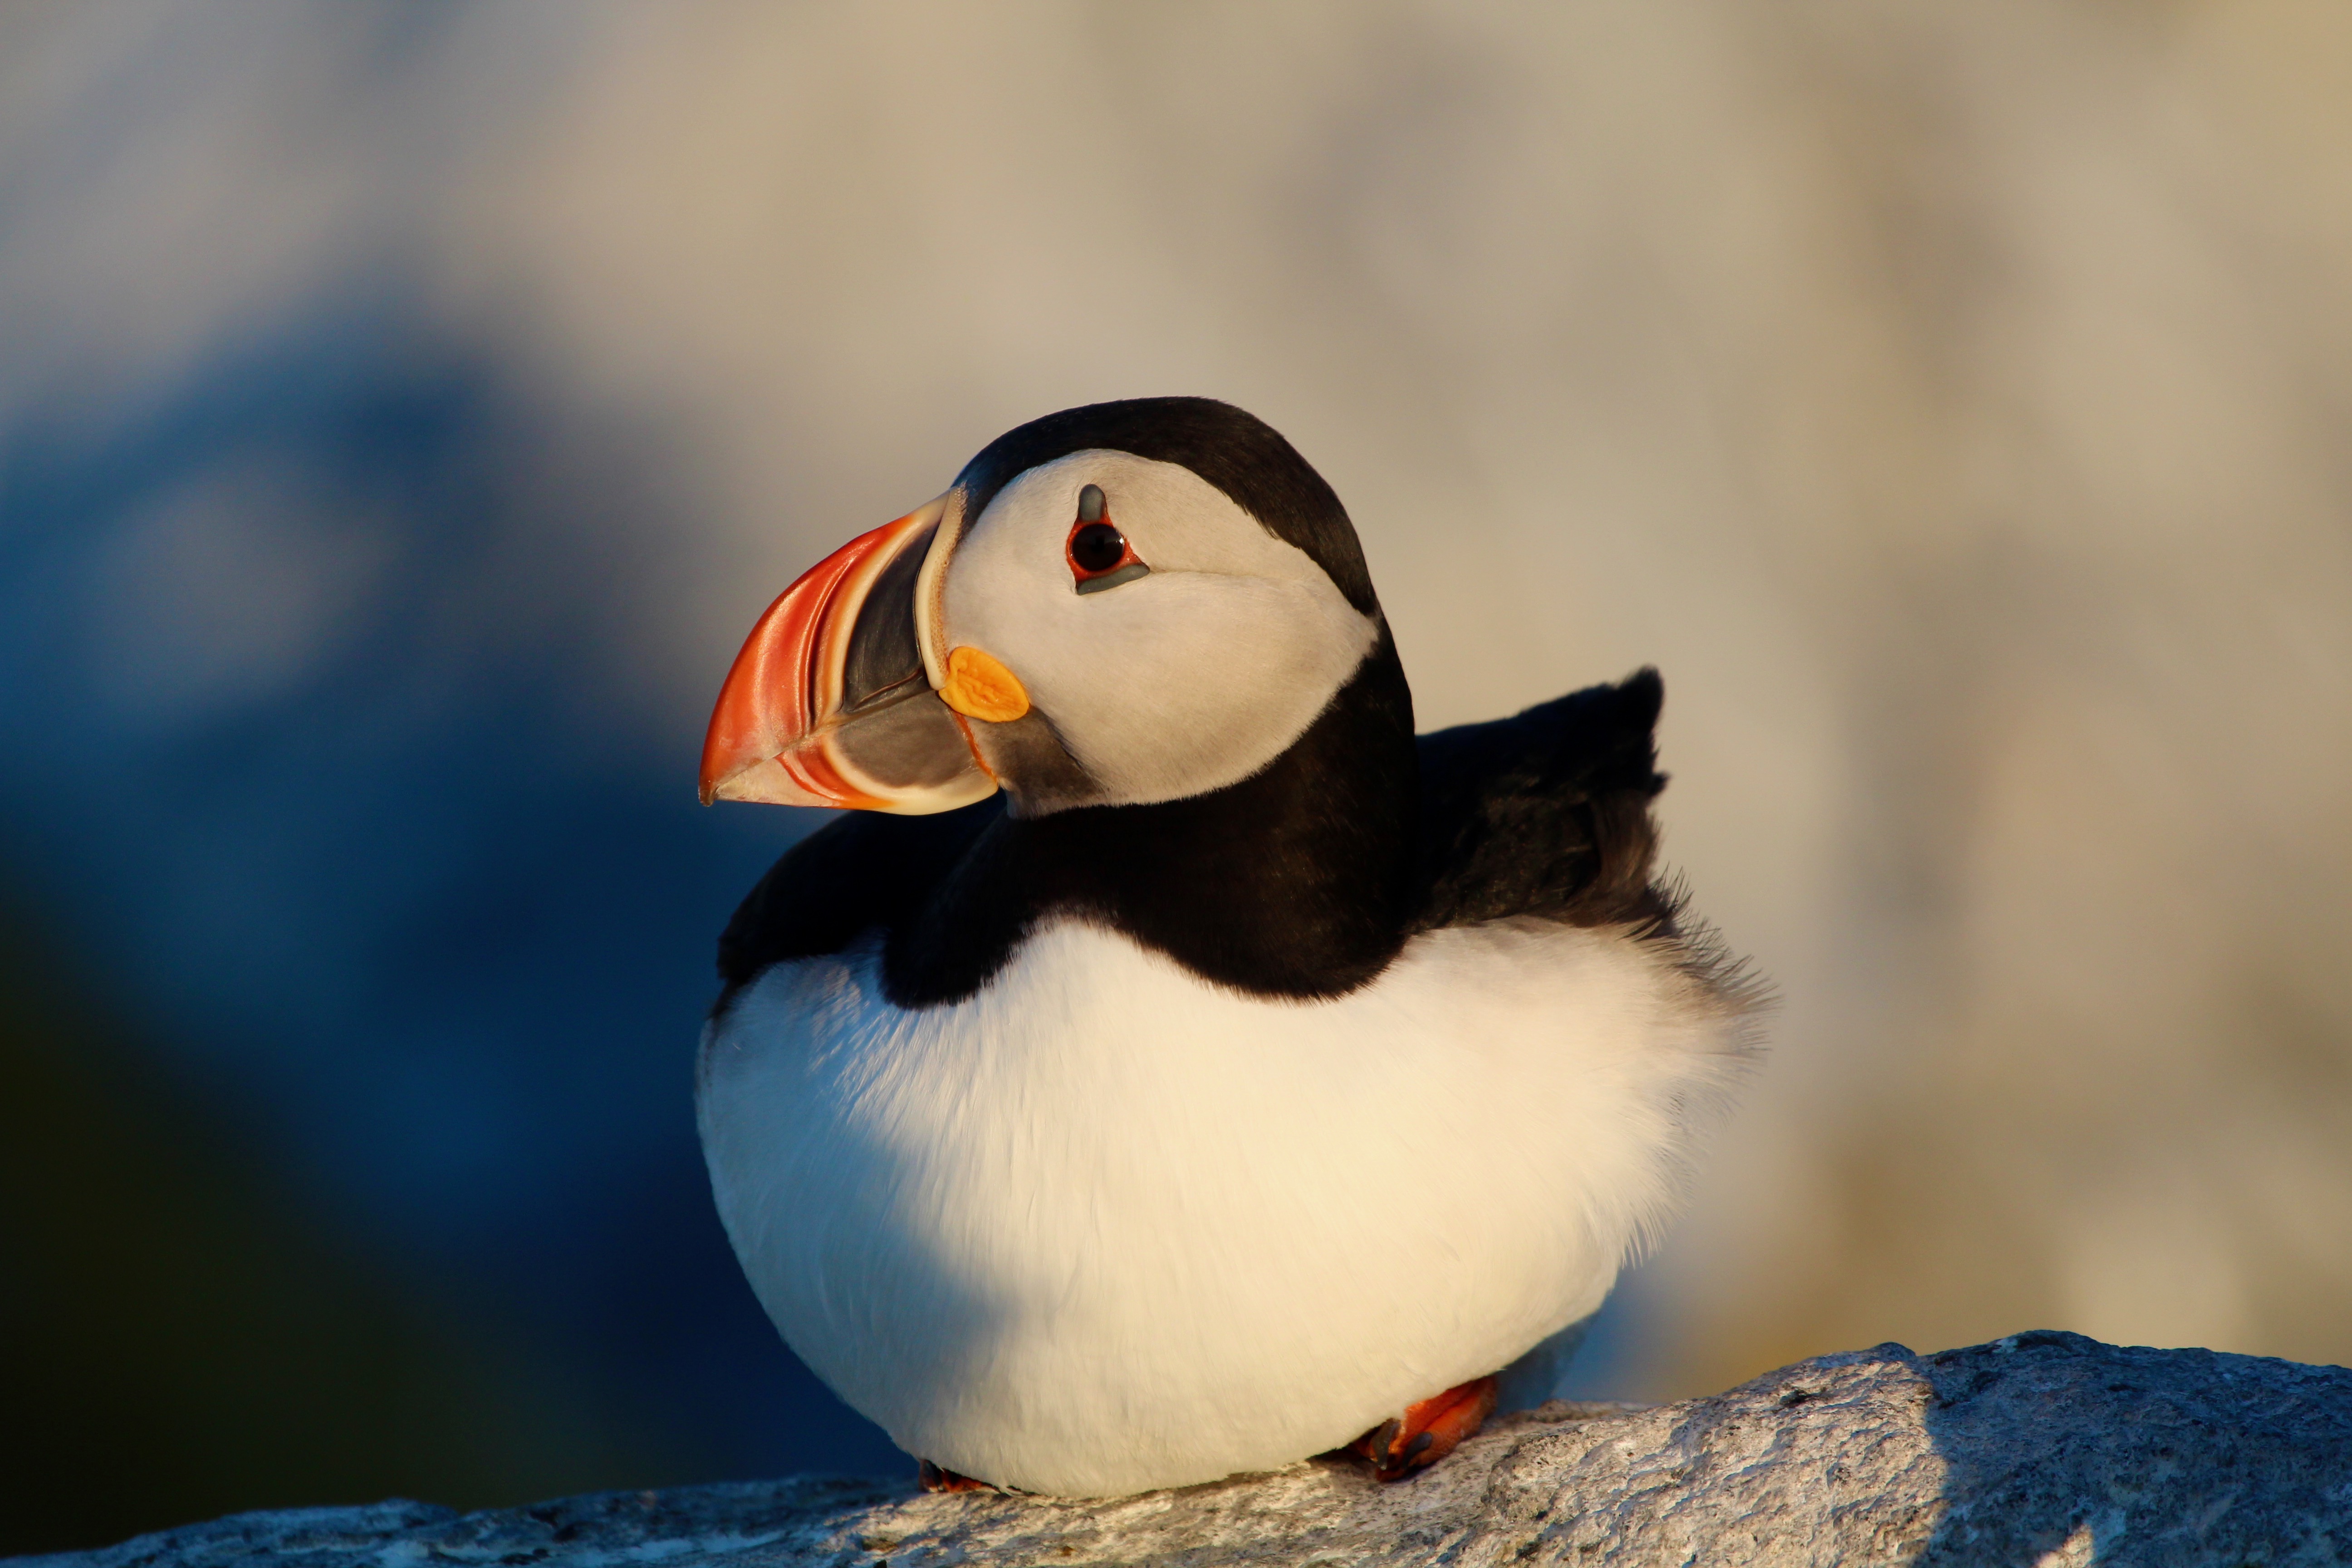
406,409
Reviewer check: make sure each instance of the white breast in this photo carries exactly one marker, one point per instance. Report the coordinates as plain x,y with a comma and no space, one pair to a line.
1105,1227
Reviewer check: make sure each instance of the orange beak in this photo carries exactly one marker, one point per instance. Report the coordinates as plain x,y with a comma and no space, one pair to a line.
829,703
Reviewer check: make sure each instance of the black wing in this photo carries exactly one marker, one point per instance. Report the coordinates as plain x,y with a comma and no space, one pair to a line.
1546,813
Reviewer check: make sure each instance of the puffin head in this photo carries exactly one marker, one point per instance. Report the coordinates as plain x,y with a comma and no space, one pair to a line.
1123,603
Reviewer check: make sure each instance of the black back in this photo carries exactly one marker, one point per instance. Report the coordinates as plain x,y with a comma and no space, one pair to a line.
1303,881
1545,814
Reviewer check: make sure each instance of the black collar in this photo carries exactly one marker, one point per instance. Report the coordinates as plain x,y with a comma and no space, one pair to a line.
1299,881
1302,881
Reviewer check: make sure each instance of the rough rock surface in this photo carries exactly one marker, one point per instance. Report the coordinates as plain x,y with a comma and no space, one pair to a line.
2041,1448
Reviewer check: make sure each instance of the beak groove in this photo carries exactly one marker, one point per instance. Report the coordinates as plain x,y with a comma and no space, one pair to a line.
827,703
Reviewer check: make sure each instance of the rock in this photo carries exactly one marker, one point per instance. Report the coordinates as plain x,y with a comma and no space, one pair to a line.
2044,1448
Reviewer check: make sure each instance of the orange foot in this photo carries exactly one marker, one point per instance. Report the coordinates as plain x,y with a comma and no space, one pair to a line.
936,1480
1429,1430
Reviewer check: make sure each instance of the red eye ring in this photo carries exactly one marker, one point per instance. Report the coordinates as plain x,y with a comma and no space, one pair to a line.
1099,555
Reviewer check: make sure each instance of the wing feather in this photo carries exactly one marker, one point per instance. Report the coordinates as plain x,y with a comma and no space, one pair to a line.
1546,813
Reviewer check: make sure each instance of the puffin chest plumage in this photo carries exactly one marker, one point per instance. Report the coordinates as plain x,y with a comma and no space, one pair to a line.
1104,1226
1252,1073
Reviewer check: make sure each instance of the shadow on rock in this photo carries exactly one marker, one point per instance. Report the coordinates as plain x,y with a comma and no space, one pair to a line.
2059,1448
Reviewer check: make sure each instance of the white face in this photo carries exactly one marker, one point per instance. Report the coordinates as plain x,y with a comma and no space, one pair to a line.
1183,680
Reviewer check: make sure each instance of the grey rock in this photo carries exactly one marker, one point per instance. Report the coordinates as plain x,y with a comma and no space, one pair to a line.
2043,1448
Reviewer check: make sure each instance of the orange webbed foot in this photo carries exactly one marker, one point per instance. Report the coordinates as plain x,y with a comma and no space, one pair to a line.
1428,1431
935,1480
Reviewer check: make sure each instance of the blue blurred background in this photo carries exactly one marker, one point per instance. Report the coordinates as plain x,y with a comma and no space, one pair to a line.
331,816
404,410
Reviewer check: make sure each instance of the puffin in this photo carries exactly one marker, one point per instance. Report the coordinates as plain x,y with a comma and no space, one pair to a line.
1168,1064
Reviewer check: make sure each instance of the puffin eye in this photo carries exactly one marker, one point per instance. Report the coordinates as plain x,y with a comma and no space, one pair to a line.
1099,554
1097,547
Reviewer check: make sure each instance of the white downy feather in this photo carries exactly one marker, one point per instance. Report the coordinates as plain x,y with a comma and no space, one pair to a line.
1105,1228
